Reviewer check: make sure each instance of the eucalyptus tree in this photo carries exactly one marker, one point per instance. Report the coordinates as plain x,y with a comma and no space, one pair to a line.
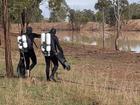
5,19
134,11
121,11
0,17
59,10
79,18
32,6
102,5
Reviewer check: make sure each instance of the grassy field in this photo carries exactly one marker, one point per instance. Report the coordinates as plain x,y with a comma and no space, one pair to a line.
97,78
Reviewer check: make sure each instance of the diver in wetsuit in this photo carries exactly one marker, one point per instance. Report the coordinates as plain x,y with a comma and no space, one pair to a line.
55,50
30,53
55,46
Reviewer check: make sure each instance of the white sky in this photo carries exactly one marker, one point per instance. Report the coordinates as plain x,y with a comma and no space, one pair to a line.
75,4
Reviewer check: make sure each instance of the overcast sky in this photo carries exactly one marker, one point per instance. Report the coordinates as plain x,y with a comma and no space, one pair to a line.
75,4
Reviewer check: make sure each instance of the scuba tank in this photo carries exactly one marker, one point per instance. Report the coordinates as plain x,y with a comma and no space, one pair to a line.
47,47
19,40
46,44
23,46
22,43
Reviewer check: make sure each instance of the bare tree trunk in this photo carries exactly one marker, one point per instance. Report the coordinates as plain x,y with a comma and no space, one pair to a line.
72,27
118,25
72,31
0,34
8,60
117,36
0,39
72,37
103,27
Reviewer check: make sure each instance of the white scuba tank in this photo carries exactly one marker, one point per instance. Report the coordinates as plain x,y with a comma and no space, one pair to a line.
43,41
46,43
19,40
22,42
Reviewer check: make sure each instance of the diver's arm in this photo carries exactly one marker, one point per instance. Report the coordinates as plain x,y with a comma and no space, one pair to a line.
58,45
36,35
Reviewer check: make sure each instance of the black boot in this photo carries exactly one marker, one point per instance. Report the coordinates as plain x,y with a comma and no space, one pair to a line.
48,79
52,78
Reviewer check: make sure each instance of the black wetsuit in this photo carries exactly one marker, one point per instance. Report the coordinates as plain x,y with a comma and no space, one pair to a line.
55,48
30,53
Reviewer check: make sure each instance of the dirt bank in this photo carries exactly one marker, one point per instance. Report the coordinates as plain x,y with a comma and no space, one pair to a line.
120,65
132,25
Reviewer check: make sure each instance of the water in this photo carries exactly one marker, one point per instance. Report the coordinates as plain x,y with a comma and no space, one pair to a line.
128,41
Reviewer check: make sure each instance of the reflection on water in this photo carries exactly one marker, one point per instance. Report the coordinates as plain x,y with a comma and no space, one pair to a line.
136,49
128,41
67,39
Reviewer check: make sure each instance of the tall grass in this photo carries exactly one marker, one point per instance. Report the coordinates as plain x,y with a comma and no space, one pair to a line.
83,85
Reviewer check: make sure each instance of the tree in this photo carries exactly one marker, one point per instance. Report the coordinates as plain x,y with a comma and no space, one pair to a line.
98,16
59,9
79,18
89,15
72,18
0,11
15,7
0,17
8,60
102,5
110,16
134,11
121,11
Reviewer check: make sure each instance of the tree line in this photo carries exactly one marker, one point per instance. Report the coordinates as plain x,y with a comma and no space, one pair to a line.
60,11
15,8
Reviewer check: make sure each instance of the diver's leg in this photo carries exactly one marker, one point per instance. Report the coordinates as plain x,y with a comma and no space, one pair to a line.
47,61
33,58
55,63
27,63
